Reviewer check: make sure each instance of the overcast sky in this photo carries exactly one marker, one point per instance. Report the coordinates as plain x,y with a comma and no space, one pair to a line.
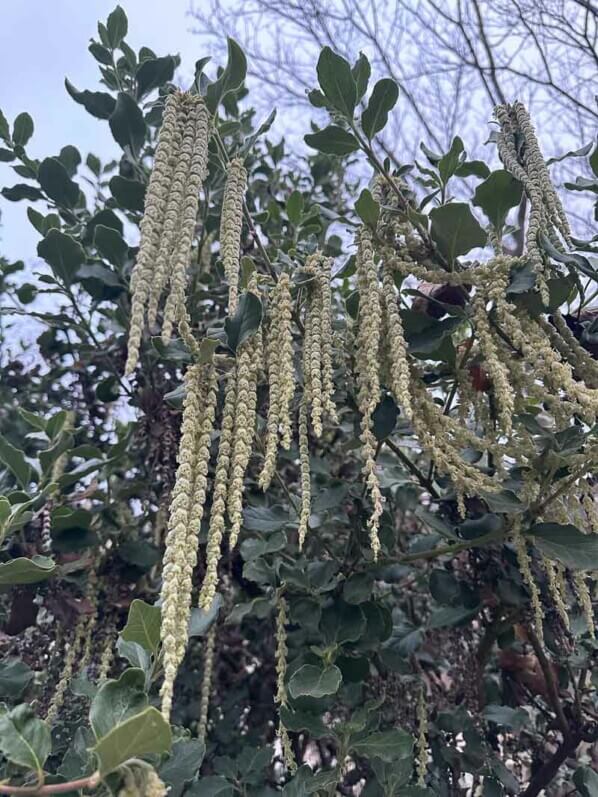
41,43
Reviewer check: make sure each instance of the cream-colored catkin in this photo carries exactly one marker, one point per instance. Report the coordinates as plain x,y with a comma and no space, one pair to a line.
324,278
231,225
584,598
368,378
70,664
61,461
106,656
218,510
206,373
312,348
555,588
174,310
281,378
152,223
399,376
206,683
249,362
280,698
305,472
524,562
171,630
422,740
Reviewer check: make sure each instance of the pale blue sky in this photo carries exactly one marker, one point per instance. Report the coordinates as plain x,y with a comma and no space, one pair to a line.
43,42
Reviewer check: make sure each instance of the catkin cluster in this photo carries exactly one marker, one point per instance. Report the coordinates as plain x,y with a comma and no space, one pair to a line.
206,683
231,224
169,219
281,377
186,512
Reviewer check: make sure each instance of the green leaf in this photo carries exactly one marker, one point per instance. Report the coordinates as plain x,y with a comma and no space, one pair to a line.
144,733
97,103
24,739
100,53
182,764
117,701
117,26
19,191
337,82
567,544
111,245
294,207
312,681
231,77
333,140
245,322
26,571
386,745
127,124
384,418
129,194
143,625
15,677
210,786
455,230
383,100
54,180
15,461
22,129
6,155
450,161
367,208
4,129
594,161
473,169
497,195
586,781
342,622
201,620
361,71
153,73
63,253
506,716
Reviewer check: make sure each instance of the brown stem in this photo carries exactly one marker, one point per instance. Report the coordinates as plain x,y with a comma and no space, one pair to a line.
549,769
53,788
551,684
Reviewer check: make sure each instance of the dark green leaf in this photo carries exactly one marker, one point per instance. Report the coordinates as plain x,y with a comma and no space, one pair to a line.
506,716
231,77
210,786
144,733
383,100
497,195
594,161
586,781
15,677
567,544
245,322
22,191
449,163
456,230
97,103
63,253
22,129
153,73
100,53
24,739
6,155
384,418
182,764
127,123
201,620
111,245
332,140
337,82
367,208
312,681
361,71
342,622
294,207
54,180
117,26
130,194
473,169
4,129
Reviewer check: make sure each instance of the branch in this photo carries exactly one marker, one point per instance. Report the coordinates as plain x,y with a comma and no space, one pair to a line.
53,788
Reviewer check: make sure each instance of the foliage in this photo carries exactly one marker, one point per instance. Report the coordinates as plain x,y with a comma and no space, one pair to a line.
462,639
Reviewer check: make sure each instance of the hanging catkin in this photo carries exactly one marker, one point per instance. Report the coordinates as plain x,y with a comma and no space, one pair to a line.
170,214
368,380
231,225
206,683
281,377
280,698
317,343
186,509
305,473
398,368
